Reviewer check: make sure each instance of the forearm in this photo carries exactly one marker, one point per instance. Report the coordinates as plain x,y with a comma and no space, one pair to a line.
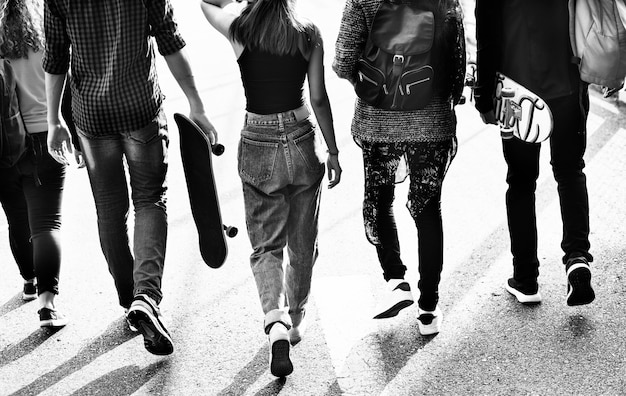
324,116
54,89
180,68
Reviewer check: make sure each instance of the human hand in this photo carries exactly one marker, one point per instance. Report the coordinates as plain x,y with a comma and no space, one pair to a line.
203,122
334,170
489,117
80,158
59,143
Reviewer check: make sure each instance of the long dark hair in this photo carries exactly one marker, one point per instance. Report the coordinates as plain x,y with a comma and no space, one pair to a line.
21,28
272,26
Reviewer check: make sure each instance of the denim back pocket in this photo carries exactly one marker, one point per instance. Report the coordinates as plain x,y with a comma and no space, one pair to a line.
307,147
157,128
256,160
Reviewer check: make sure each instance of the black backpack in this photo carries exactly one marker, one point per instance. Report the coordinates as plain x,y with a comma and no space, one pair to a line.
12,130
395,72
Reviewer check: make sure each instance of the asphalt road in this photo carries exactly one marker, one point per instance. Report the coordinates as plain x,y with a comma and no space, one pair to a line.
489,344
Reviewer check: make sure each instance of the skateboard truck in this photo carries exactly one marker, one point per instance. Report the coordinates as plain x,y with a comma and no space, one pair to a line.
510,114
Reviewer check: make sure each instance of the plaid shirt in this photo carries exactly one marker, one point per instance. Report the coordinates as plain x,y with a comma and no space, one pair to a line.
114,78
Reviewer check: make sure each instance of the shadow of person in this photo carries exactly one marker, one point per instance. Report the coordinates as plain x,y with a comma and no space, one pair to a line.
249,374
14,303
115,335
26,346
579,326
122,381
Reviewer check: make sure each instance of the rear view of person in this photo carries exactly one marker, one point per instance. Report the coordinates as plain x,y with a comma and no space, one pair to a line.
279,166
425,137
32,188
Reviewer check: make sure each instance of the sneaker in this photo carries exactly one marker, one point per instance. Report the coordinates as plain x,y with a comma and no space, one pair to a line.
296,332
579,290
398,298
144,315
280,364
525,294
29,292
130,325
429,322
51,318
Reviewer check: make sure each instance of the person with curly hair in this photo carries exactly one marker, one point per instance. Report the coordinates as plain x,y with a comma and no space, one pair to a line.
32,189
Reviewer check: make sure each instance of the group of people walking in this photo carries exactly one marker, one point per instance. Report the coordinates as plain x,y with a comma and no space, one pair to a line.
117,123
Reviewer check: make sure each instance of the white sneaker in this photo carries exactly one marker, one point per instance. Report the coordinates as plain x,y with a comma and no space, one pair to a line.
429,322
396,299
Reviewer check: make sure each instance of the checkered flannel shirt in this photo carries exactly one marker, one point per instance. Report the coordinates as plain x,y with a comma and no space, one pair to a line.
114,78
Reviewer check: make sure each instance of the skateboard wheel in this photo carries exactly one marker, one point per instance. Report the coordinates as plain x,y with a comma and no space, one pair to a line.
231,231
218,149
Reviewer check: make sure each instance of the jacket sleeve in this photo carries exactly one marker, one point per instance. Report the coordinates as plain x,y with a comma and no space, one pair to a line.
456,37
488,32
351,40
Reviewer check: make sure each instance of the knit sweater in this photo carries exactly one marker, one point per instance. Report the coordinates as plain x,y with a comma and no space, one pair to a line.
436,121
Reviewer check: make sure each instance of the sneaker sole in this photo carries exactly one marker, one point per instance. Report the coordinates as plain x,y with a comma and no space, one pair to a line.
429,329
155,338
29,297
579,291
280,364
54,323
528,299
395,310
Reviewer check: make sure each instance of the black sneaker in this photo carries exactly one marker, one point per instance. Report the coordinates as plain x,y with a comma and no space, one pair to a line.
579,290
525,293
144,315
51,318
29,292
280,364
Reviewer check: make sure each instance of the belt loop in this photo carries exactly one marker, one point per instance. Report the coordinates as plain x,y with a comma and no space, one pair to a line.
281,122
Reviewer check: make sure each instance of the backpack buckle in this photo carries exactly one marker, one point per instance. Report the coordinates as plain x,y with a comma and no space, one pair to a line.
398,59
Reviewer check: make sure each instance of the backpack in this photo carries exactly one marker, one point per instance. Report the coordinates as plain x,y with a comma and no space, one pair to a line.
598,39
394,72
12,130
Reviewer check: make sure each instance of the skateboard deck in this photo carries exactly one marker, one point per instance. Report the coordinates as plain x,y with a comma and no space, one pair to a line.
520,112
196,152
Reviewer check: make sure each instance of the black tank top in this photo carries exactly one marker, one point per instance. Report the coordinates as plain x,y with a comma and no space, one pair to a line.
272,83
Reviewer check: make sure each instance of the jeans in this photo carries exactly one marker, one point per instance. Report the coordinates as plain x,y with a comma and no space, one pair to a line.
281,173
145,155
31,195
427,164
567,147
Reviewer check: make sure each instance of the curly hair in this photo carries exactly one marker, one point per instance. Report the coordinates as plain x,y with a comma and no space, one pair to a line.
21,28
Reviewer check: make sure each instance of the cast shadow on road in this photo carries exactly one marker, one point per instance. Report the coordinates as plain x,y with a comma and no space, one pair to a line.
115,335
250,373
14,303
123,381
26,346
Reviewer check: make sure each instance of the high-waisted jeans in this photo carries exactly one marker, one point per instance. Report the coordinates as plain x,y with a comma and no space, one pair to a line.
145,153
31,195
281,172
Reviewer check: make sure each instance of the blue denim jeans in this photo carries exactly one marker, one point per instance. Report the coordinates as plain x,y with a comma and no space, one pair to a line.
145,154
31,195
281,172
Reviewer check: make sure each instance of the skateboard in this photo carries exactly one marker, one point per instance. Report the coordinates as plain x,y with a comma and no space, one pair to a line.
520,112
196,152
